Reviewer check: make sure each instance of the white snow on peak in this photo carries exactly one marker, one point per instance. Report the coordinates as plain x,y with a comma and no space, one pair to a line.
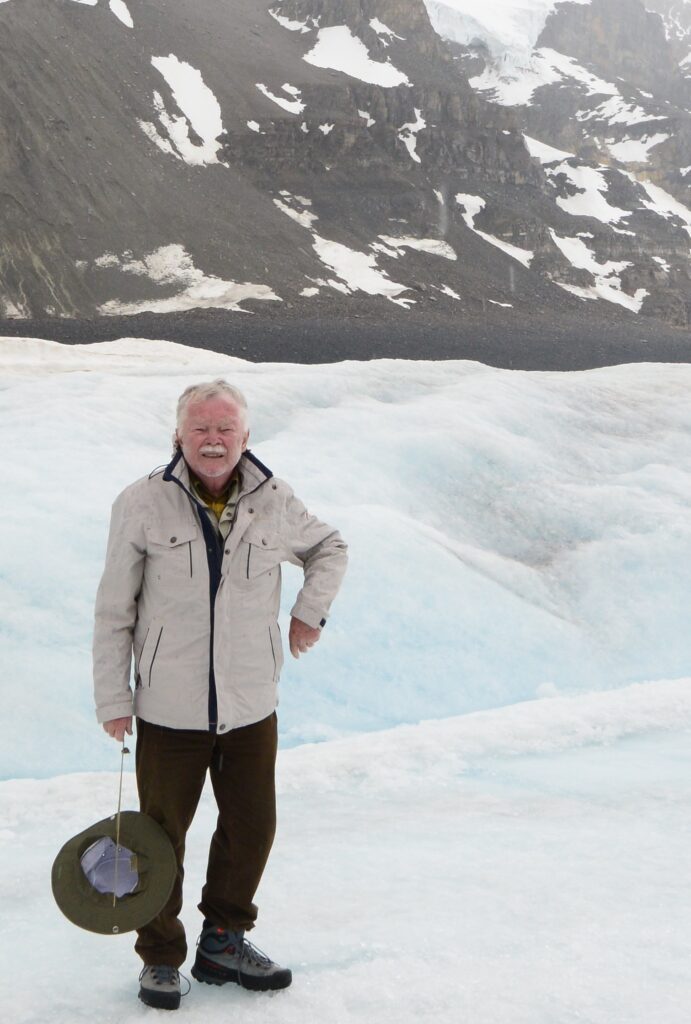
326,128
367,116
198,104
294,106
504,26
407,133
635,150
121,11
384,32
339,50
607,284
472,205
589,201
172,265
292,26
435,246
544,153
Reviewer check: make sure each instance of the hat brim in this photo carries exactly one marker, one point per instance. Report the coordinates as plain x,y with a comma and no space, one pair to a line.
95,911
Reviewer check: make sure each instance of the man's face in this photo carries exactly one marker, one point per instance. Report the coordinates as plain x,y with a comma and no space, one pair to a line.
213,436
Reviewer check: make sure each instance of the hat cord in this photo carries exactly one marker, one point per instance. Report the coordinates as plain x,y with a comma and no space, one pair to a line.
117,820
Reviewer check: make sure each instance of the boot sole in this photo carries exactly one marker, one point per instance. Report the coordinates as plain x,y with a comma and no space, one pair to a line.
160,1000
211,974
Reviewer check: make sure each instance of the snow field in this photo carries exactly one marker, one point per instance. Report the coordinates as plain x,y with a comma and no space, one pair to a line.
513,535
527,888
517,853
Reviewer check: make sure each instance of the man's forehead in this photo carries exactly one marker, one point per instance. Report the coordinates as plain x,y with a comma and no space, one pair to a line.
217,407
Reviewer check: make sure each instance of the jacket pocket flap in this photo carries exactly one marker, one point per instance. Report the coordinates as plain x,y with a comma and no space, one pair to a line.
170,535
261,537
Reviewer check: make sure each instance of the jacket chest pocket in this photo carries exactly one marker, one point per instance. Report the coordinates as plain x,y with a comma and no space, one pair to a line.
170,549
260,553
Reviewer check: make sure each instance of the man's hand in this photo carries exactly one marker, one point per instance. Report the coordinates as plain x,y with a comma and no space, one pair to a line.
117,727
301,637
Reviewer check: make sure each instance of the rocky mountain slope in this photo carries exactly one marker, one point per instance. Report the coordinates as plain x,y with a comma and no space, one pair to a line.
316,156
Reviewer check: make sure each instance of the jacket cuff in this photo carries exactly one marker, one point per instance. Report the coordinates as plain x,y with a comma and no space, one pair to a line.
308,614
110,711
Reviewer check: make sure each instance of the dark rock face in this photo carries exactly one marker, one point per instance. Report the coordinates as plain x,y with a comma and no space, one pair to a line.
114,198
619,37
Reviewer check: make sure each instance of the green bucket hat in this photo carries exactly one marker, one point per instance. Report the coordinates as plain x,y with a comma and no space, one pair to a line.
111,889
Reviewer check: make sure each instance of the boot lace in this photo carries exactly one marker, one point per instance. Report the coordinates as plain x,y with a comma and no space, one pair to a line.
253,956
162,974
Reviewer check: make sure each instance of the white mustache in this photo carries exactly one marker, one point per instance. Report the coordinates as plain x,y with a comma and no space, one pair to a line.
210,449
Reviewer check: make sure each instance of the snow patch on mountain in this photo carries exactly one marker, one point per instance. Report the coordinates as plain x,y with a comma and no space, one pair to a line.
302,217
617,110
171,265
384,32
337,49
407,133
200,107
544,153
589,200
635,150
607,284
358,270
292,26
435,246
513,80
294,106
665,205
472,206
121,11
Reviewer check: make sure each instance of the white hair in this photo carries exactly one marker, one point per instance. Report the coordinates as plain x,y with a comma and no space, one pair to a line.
218,388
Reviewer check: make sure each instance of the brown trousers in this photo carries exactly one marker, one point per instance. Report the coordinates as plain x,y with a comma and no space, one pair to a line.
171,769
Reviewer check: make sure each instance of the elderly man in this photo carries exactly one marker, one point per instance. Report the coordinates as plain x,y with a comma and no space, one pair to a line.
191,588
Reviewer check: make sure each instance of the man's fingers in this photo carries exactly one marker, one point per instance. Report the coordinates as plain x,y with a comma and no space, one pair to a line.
117,727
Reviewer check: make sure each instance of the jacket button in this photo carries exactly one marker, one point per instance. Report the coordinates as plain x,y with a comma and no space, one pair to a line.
250,510
173,539
263,542
227,551
273,487
221,728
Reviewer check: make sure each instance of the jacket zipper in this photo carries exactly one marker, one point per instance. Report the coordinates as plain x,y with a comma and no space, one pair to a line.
153,659
213,583
273,652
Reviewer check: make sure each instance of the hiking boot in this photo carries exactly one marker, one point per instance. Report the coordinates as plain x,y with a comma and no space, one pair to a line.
159,986
224,956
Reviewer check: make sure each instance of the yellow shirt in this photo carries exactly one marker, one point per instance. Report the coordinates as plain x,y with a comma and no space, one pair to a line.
223,505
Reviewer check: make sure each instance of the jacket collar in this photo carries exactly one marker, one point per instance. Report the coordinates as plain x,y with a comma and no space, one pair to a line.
253,473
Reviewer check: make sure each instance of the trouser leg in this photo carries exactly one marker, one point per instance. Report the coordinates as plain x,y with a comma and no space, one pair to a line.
171,767
243,779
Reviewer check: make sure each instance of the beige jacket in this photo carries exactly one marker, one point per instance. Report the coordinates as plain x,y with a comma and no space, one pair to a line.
199,613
